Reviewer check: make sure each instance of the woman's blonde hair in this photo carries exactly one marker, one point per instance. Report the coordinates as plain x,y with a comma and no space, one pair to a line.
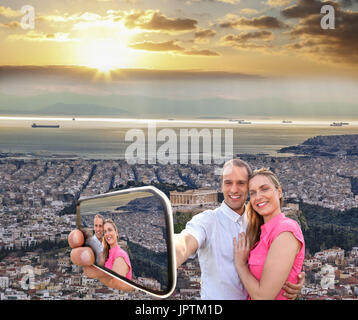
105,244
255,220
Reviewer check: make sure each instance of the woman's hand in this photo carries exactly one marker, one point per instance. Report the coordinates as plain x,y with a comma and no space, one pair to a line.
241,250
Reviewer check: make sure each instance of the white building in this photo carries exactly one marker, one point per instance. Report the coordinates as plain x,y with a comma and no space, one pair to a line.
327,277
4,282
334,253
354,252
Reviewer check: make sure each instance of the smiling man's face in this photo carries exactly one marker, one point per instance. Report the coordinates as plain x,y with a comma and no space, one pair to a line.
98,228
235,182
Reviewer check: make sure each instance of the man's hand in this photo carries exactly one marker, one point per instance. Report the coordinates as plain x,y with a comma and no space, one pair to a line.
293,290
84,256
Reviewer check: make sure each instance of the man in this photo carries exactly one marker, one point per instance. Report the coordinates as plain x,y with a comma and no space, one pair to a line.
209,234
95,241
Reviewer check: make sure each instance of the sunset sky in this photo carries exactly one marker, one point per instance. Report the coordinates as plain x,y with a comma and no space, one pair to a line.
251,39
251,36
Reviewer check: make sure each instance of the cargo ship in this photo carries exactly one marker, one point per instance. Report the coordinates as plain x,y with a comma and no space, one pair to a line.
34,125
339,124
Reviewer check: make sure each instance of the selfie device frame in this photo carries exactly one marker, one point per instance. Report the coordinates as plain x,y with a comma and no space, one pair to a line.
168,213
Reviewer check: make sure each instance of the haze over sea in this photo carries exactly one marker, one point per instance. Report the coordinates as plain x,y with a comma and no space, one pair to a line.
104,138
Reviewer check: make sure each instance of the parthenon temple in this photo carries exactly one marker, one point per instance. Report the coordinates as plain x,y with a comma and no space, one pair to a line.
193,197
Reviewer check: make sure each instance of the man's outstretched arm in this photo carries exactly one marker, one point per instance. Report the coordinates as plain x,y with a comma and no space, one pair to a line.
185,246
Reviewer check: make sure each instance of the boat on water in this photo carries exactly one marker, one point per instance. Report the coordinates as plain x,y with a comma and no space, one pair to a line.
286,121
339,124
243,122
34,125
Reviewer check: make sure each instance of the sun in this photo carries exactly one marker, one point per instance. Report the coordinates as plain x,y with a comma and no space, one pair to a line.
105,55
105,65
102,55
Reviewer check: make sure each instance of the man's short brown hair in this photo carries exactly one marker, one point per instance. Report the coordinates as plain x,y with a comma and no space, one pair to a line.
99,217
237,163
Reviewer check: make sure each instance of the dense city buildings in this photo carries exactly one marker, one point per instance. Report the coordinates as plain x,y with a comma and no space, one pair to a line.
37,197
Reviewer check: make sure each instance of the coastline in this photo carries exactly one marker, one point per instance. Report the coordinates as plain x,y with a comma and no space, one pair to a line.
105,138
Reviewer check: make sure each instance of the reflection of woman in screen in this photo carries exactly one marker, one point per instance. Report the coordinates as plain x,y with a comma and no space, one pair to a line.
117,259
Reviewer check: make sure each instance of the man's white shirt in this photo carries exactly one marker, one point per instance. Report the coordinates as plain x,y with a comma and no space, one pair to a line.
215,230
97,247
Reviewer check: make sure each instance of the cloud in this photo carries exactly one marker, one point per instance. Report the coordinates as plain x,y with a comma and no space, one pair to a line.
41,37
196,52
245,40
170,46
246,36
347,3
256,22
339,45
78,74
234,2
11,25
9,13
249,11
156,21
156,46
76,18
149,20
305,8
229,1
204,34
278,3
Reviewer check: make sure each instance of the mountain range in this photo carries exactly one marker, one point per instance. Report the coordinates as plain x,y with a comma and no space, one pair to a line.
74,104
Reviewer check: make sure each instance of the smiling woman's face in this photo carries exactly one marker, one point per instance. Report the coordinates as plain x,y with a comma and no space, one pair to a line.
110,234
264,196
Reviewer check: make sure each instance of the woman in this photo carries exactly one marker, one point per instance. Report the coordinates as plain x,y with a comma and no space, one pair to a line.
272,252
117,259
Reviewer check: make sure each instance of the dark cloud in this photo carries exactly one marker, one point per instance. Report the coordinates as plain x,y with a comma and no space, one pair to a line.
256,22
347,3
305,8
337,45
246,36
157,46
204,34
11,25
78,74
245,40
150,20
171,46
196,52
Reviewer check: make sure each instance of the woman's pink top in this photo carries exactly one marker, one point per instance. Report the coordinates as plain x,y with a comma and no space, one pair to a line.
115,253
269,231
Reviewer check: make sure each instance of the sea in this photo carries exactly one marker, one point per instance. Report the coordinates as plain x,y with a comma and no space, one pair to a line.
105,138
